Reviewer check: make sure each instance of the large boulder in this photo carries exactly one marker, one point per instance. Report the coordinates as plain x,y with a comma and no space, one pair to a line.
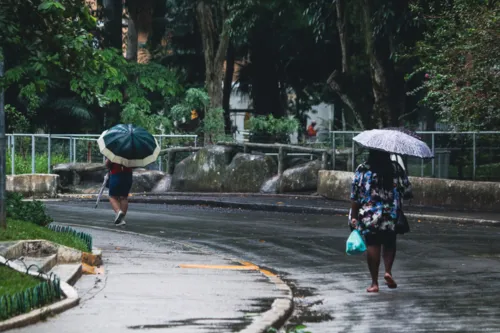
38,185
300,178
247,173
202,171
73,174
145,180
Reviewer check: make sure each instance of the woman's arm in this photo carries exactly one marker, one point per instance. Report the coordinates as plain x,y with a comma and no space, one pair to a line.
355,188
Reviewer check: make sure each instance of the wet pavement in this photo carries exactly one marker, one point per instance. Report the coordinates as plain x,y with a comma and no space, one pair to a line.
448,274
143,288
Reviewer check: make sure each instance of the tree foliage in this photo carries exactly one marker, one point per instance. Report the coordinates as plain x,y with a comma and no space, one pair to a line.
459,62
53,66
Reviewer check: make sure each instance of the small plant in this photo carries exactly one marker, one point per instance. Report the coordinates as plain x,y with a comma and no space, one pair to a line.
31,211
296,329
213,125
271,129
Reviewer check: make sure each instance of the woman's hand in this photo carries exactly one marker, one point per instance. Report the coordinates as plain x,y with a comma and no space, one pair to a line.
354,223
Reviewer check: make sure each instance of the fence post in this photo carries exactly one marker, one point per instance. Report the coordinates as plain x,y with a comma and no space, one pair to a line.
474,156
49,153
33,158
281,160
353,162
433,160
195,141
74,150
160,164
334,151
70,150
13,155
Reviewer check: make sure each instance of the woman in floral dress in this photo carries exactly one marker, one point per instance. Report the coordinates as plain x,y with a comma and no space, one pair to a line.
376,194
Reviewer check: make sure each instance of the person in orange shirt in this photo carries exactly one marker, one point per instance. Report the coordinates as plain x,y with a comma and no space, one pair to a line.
311,131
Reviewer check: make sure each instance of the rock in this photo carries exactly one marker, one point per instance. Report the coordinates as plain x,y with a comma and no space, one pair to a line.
73,174
300,178
202,171
271,185
145,180
163,185
247,173
38,185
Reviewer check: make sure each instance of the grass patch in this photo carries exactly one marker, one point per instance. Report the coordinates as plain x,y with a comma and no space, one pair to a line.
20,230
14,282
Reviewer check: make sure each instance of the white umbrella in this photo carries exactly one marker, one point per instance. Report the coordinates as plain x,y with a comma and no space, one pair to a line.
394,141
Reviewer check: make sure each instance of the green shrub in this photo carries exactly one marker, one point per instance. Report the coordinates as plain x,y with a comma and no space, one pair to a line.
270,129
31,211
22,165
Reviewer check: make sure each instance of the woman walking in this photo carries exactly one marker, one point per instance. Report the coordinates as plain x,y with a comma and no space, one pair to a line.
377,190
120,182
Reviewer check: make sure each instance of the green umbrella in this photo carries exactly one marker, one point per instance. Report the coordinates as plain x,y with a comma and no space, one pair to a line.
129,146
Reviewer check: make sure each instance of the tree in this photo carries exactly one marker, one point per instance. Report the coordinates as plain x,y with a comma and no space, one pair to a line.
458,62
214,31
367,50
3,174
113,12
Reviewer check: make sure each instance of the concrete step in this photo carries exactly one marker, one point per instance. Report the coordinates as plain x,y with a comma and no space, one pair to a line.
70,273
44,264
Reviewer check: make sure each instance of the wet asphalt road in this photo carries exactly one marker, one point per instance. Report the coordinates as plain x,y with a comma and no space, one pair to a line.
448,275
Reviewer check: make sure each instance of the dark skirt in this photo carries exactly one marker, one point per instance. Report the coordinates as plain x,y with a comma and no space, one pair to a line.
120,184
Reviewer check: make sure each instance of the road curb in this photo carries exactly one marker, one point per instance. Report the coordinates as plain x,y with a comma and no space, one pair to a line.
295,209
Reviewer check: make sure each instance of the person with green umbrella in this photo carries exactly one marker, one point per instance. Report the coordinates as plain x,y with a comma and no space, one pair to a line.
125,147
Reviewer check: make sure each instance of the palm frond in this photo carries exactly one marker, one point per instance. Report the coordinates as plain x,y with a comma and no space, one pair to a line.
72,105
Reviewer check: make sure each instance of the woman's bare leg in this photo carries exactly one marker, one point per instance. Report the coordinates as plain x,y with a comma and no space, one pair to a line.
389,255
124,205
373,258
115,203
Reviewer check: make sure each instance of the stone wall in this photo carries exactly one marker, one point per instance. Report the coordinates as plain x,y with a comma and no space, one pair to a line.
431,192
38,185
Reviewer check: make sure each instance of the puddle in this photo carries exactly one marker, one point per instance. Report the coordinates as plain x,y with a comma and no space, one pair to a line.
211,324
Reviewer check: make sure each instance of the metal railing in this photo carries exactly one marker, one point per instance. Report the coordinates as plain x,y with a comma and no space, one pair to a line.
36,153
457,155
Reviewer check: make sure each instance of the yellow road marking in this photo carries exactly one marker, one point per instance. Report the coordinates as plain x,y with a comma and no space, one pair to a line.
229,267
245,266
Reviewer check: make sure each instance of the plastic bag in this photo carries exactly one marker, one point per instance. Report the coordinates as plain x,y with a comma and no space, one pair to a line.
355,244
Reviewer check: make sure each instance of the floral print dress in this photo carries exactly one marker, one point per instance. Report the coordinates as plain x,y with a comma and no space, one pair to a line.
378,208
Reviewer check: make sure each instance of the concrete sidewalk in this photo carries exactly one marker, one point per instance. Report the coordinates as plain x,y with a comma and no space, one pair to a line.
308,204
150,283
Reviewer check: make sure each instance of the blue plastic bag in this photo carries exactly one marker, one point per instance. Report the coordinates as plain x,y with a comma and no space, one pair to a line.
355,244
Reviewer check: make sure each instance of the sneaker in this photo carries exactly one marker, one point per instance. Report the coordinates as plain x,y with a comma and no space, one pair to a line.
119,218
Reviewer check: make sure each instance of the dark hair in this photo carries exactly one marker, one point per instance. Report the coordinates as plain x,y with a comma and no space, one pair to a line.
380,163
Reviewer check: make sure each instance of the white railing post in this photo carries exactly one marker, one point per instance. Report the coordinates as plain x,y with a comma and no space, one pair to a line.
49,153
33,155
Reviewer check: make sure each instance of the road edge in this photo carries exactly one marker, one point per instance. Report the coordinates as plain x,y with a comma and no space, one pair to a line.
295,209
281,308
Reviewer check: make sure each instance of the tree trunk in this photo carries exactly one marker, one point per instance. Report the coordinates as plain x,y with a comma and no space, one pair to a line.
215,44
158,24
343,34
113,23
228,86
359,111
144,28
3,174
267,96
214,54
132,38
387,85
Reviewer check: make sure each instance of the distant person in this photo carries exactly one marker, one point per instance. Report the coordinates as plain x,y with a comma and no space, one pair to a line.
312,132
377,192
120,183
